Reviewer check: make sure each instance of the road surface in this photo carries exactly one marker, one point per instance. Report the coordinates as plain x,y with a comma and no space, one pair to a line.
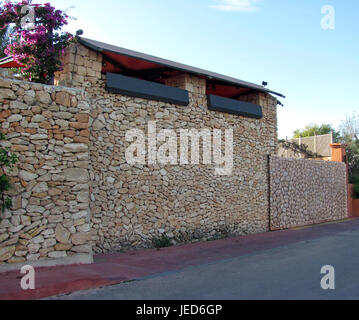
285,272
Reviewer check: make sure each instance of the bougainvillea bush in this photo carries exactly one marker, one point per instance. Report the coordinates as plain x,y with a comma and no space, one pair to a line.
39,45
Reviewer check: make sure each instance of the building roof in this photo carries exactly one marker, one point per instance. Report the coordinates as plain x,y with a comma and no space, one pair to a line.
9,62
140,62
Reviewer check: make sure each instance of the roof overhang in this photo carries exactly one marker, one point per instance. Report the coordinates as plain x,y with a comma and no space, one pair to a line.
149,67
9,62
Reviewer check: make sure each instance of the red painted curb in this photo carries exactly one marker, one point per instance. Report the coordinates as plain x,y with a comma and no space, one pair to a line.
56,289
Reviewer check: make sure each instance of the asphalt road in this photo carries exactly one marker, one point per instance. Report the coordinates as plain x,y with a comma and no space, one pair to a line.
286,272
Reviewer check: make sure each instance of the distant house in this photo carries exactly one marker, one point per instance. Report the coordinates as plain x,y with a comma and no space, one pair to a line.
316,147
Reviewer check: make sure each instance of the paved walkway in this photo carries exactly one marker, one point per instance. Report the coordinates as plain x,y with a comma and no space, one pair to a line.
112,269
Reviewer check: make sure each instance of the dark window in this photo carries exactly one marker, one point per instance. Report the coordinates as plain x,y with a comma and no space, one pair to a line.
117,83
245,109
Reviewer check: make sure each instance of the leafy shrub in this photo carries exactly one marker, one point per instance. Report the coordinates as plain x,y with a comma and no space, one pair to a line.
162,242
355,182
7,160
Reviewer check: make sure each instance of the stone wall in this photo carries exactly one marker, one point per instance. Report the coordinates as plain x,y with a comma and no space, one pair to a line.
47,128
305,192
75,193
132,205
81,67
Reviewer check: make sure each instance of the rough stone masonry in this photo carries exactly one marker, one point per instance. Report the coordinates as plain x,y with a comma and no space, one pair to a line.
132,205
47,128
74,193
305,192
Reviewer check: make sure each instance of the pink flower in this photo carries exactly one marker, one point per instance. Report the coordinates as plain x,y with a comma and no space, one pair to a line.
39,49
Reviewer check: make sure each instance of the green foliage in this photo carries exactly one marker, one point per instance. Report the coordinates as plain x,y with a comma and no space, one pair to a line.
316,130
38,47
4,41
353,158
349,130
162,242
355,182
7,160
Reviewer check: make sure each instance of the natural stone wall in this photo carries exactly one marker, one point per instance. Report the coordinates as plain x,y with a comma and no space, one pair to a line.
74,191
47,128
132,205
304,192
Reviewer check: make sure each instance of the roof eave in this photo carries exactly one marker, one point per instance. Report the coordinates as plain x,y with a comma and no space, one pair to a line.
94,45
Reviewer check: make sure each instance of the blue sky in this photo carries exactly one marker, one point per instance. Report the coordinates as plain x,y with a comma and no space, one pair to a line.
279,41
